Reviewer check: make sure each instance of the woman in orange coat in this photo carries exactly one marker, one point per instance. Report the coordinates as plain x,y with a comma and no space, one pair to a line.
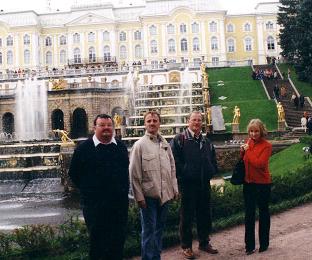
257,188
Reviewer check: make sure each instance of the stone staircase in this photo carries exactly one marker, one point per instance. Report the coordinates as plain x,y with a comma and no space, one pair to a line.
292,115
29,161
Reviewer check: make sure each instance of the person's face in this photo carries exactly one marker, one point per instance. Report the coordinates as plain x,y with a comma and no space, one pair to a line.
152,124
104,129
195,123
254,133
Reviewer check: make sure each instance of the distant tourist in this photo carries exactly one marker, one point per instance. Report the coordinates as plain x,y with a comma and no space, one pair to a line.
99,168
309,125
304,123
276,91
295,100
257,188
196,163
301,101
154,184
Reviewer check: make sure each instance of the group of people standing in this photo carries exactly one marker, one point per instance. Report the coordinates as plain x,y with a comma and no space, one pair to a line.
159,173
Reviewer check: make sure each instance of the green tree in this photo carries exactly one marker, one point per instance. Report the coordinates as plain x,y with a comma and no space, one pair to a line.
287,19
303,60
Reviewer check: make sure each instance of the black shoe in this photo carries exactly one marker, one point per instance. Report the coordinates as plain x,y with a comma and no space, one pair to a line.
262,249
250,252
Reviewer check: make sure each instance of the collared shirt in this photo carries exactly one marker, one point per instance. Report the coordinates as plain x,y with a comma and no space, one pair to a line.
96,141
199,139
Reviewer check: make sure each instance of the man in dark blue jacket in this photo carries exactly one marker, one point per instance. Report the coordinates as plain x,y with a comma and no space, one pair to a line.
99,168
195,165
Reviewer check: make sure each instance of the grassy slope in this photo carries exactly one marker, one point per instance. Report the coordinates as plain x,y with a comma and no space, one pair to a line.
241,90
287,160
303,87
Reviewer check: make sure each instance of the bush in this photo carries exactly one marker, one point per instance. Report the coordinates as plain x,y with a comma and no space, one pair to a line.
5,244
306,139
35,239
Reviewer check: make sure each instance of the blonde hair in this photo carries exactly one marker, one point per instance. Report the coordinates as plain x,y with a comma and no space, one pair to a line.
258,123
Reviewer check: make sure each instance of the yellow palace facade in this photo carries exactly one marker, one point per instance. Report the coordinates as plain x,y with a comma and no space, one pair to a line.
152,32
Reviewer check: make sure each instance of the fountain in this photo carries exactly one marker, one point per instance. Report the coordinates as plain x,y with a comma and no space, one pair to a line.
31,110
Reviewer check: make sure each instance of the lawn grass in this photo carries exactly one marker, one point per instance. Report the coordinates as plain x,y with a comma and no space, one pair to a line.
287,160
303,87
241,90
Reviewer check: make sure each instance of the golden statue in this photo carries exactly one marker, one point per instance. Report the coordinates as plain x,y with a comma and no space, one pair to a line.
64,135
280,112
117,120
236,116
206,97
209,116
203,68
58,84
205,80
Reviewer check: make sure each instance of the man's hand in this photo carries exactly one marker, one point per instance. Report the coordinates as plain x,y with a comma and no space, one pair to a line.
142,204
176,196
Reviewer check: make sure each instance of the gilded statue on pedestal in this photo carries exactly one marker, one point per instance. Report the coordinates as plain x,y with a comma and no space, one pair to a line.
280,112
209,116
64,135
117,120
236,116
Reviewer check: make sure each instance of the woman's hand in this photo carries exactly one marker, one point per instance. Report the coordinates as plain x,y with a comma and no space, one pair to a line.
244,147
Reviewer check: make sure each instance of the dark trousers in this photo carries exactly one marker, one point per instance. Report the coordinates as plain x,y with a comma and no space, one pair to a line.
106,222
257,195
195,202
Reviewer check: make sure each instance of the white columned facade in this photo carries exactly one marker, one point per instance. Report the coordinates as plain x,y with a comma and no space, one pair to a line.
164,41
16,50
35,50
100,46
55,51
222,41
203,39
145,42
82,45
130,45
261,54
113,42
70,47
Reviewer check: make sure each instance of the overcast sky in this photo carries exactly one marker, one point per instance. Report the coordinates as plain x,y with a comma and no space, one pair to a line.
40,6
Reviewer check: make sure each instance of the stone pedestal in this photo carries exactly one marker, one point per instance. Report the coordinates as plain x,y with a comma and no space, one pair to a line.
209,129
235,128
118,134
281,126
66,154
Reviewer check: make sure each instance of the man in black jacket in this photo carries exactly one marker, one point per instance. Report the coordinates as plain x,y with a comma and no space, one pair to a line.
99,168
195,165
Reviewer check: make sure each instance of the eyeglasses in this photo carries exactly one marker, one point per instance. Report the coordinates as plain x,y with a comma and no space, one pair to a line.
104,125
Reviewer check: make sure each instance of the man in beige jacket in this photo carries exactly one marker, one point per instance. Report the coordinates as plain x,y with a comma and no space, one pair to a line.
153,182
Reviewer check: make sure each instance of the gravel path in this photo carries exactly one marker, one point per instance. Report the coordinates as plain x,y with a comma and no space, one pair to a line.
291,238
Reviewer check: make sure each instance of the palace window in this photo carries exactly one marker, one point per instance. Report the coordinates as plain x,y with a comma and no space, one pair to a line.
92,56
0,57
183,45
0,42
214,43
76,38
195,27
48,58
123,52
122,36
9,57
153,46
247,27
26,39
183,28
248,44
170,29
196,44
106,36
269,25
171,46
270,43
48,41
91,37
215,61
137,35
62,40
107,56
213,26
153,30
9,40
138,51
230,45
77,55
26,57
63,56
230,28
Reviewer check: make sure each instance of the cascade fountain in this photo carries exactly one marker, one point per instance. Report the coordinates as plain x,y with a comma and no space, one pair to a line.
31,110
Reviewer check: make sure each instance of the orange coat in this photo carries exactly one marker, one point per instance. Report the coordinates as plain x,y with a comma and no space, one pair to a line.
256,160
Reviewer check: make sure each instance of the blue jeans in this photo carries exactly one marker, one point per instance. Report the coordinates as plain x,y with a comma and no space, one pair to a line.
153,220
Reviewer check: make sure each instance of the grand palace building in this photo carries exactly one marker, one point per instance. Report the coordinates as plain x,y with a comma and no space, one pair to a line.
110,37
